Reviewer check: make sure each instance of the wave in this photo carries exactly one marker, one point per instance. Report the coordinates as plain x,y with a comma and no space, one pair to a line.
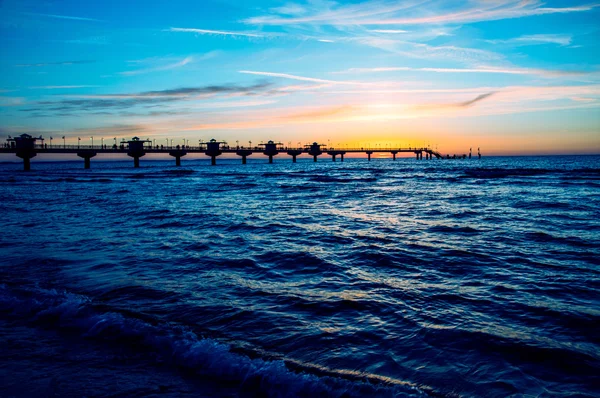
341,180
453,230
181,348
542,237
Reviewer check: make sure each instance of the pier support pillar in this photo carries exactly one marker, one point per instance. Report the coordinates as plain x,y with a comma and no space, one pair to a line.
136,162
87,156
293,158
270,158
213,160
394,153
341,157
244,153
26,156
315,158
333,158
177,154
369,153
26,164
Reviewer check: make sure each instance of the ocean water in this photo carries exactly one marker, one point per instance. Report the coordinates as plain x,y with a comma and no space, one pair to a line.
408,278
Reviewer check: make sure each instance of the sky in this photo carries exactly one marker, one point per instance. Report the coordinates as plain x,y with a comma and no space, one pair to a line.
509,76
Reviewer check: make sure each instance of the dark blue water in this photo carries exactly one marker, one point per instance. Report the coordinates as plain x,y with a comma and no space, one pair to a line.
382,278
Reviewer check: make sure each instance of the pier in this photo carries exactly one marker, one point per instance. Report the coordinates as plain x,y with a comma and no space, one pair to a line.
26,147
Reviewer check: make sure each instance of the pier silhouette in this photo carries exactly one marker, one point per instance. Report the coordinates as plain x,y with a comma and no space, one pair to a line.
26,147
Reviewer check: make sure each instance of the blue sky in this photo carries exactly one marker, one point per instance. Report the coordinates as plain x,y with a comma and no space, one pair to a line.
510,76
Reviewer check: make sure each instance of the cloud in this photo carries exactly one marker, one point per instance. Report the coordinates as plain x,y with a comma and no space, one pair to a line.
426,51
40,64
94,40
111,130
174,65
475,100
11,101
327,15
380,12
319,114
58,87
547,73
62,17
216,32
392,31
295,77
529,40
147,99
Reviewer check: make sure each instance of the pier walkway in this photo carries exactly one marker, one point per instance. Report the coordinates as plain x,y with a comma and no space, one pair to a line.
27,147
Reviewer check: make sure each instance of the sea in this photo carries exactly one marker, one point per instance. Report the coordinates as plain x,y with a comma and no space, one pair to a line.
382,278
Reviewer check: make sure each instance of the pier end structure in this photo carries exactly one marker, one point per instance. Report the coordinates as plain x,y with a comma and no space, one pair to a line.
135,149
314,150
271,149
24,146
213,149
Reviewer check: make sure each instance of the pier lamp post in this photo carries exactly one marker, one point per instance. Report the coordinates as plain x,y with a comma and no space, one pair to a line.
171,142
187,143
92,141
154,142
167,141
250,142
237,144
102,142
50,142
78,141
64,142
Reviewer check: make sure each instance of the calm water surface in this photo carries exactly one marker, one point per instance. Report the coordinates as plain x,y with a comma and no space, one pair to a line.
407,278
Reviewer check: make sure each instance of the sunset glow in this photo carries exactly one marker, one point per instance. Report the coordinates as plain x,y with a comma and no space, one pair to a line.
511,77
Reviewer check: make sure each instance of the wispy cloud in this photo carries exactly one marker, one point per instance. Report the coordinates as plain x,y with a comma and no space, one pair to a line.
159,68
146,99
296,77
216,32
332,14
475,100
93,40
528,40
11,101
40,64
392,31
59,87
426,51
378,12
62,17
320,114
547,73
